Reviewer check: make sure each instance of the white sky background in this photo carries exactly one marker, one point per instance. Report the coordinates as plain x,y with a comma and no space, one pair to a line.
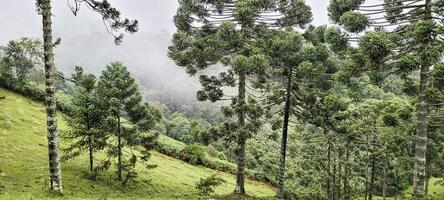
19,18
86,43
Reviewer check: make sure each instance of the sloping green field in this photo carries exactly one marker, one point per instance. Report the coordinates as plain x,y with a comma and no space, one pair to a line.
24,167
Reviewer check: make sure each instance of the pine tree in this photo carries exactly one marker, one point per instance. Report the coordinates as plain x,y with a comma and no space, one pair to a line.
417,27
285,48
85,121
303,71
229,32
127,117
111,18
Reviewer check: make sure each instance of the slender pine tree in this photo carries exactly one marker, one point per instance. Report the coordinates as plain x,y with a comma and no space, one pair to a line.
128,117
85,121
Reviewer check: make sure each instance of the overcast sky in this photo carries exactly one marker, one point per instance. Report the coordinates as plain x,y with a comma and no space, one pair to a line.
86,43
18,17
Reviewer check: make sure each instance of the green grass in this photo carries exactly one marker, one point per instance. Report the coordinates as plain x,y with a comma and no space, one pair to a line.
24,167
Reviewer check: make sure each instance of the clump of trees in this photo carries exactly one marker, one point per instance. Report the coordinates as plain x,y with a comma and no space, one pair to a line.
110,114
355,84
22,58
406,39
231,33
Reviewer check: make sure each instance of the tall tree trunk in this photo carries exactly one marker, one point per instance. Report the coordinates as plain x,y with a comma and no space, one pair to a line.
334,179
419,173
52,132
372,170
384,182
328,179
427,184
347,172
366,168
338,185
240,150
284,137
119,149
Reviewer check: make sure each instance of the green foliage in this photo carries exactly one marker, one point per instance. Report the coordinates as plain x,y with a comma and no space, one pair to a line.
376,45
353,21
242,50
336,39
193,154
22,57
337,8
177,126
127,117
407,64
206,185
86,131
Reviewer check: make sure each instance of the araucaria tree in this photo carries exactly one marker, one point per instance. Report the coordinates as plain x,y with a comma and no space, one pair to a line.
85,121
128,118
230,33
111,18
417,30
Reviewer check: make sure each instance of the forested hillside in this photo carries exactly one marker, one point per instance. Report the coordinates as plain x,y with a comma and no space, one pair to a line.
271,104
23,169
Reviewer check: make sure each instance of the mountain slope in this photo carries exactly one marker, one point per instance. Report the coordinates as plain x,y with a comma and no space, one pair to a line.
24,167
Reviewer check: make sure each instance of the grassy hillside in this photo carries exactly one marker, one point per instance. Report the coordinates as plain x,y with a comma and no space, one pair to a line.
24,167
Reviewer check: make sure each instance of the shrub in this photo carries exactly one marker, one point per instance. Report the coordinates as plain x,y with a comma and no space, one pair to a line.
211,150
36,92
206,185
176,149
222,156
193,154
221,165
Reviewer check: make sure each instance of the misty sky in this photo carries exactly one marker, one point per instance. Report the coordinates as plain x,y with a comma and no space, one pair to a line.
86,43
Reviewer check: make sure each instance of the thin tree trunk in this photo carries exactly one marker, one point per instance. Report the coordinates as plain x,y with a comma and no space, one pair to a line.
427,183
119,149
334,179
328,169
372,170
338,185
90,145
384,182
91,160
396,185
346,173
52,132
240,151
366,169
284,138
419,173
372,179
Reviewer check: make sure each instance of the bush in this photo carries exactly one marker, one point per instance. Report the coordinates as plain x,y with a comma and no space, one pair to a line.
222,156
193,154
206,185
36,92
176,149
221,165
169,146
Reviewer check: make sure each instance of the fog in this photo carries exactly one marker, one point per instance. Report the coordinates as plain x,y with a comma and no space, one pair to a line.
86,43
